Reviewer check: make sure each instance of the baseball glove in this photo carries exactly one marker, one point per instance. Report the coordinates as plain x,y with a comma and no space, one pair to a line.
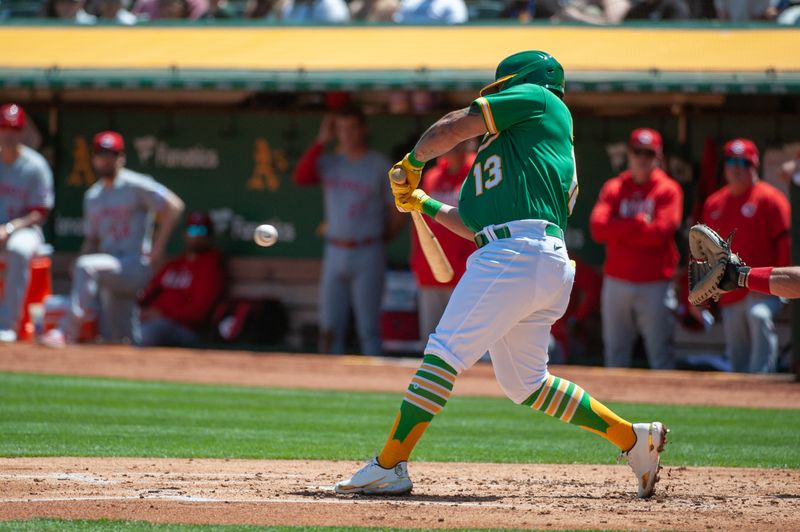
713,268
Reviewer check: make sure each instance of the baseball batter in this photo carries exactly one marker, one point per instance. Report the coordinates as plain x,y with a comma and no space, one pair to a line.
26,197
514,204
119,246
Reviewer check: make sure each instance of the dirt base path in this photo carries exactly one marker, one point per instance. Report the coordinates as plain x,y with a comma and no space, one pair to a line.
446,495
391,375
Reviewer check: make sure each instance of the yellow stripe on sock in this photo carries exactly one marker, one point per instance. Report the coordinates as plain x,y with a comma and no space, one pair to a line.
556,402
420,402
432,387
577,395
439,372
544,391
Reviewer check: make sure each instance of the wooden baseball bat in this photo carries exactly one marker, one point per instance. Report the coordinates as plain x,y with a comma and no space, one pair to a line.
431,248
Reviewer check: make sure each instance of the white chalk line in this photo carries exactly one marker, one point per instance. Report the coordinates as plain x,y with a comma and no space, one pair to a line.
80,477
91,479
275,500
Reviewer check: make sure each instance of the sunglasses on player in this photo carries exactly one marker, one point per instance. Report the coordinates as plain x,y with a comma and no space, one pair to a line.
739,163
197,230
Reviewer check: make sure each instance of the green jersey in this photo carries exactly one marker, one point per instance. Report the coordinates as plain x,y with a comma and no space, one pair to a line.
525,167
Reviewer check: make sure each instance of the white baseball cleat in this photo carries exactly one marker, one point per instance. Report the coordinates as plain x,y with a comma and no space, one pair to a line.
644,457
372,479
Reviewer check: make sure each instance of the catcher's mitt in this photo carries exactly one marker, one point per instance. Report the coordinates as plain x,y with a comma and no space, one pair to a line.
713,268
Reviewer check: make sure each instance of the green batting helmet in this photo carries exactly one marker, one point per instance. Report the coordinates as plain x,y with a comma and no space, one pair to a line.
531,66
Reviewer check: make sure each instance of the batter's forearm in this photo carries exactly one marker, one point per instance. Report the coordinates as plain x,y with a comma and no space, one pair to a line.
450,130
449,217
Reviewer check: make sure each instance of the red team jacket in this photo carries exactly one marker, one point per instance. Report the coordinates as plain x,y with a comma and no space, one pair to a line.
761,219
445,187
638,251
186,291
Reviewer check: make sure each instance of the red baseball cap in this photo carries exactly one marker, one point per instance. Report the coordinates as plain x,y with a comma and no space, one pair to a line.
12,116
108,140
646,138
742,149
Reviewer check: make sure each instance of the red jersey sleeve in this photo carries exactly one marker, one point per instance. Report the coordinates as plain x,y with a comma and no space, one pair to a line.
603,223
666,219
306,173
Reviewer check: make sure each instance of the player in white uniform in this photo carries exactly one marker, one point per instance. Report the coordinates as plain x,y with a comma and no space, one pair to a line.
514,204
26,197
119,248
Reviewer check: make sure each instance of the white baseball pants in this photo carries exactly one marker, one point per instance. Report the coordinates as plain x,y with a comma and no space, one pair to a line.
513,291
105,287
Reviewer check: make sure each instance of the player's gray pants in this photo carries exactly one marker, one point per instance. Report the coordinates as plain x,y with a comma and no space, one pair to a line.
751,343
431,302
20,247
105,287
353,278
166,332
632,308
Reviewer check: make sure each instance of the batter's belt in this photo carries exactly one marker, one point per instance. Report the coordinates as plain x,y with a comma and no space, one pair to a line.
484,236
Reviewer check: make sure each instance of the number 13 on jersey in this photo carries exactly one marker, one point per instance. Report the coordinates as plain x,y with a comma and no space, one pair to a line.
489,176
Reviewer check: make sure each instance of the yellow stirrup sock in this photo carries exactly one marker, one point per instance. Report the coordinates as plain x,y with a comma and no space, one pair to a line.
569,402
426,396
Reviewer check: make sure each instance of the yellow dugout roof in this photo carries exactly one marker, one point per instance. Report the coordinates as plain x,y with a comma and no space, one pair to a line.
768,57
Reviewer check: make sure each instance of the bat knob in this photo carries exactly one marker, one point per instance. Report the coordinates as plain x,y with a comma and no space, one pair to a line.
398,176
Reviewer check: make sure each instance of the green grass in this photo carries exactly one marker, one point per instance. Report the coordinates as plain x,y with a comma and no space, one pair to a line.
60,525
74,416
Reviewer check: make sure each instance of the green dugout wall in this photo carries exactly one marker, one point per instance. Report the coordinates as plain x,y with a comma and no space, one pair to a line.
237,164
201,105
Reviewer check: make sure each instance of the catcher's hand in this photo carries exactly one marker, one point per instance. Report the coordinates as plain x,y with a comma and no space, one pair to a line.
713,268
412,202
404,177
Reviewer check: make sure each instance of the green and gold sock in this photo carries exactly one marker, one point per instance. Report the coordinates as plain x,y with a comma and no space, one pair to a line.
427,394
570,403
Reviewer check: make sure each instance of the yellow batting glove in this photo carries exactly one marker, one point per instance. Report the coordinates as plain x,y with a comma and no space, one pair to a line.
418,200
405,175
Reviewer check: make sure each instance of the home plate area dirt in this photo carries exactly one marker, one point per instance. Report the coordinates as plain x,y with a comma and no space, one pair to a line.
446,495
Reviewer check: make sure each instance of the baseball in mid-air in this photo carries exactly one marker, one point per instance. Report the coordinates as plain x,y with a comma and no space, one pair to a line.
265,235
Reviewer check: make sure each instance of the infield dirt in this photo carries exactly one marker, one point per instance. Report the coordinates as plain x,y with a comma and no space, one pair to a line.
445,495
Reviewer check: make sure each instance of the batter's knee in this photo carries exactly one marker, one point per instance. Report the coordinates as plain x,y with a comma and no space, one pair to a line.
519,392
